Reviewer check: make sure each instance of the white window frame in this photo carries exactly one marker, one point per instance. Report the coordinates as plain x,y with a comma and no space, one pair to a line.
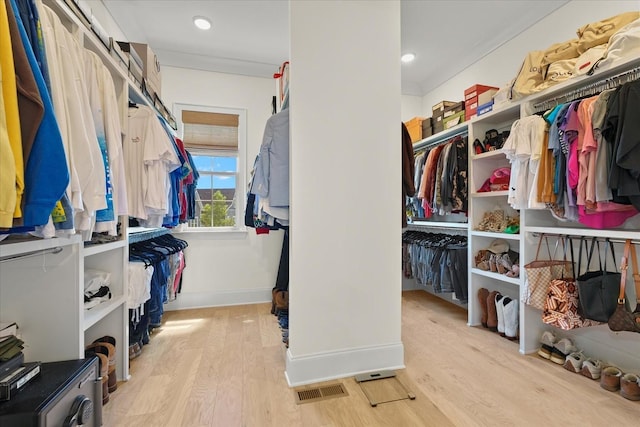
241,179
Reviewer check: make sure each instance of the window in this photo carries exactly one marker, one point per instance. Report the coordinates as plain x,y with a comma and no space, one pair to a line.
215,137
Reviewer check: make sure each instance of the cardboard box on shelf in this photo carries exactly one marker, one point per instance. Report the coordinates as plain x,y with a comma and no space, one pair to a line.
470,113
150,66
483,98
453,120
438,109
414,126
427,127
117,54
476,90
438,127
485,108
453,109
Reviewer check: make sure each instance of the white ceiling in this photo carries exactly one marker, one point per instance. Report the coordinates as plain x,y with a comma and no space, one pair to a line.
251,37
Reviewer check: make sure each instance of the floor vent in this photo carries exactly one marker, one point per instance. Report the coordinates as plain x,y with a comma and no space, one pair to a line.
320,393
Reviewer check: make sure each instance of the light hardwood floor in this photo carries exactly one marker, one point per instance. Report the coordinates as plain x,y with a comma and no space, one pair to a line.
225,367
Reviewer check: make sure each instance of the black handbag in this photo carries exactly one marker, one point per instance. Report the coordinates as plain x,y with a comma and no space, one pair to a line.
598,290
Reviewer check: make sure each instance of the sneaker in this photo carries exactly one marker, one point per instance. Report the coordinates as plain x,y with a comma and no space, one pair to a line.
573,362
592,368
561,350
546,344
630,387
610,379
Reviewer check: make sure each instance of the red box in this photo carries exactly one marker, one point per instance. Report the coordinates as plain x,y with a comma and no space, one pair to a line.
471,104
470,113
476,90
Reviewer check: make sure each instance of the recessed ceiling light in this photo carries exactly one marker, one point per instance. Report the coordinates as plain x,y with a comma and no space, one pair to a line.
408,57
202,22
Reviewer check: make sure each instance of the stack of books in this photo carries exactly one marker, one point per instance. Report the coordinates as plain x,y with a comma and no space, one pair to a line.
14,372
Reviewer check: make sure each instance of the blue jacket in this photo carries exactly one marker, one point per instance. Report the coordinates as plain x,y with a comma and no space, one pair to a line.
46,172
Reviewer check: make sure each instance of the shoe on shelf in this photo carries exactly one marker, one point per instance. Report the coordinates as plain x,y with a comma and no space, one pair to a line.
500,313
574,362
504,263
591,368
630,386
493,266
610,378
514,272
483,293
510,318
492,314
561,350
547,341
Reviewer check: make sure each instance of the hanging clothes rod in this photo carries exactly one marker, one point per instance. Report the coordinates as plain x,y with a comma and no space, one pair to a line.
590,89
140,236
420,146
55,250
600,239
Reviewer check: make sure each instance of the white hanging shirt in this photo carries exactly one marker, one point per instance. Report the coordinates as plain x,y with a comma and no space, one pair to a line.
149,158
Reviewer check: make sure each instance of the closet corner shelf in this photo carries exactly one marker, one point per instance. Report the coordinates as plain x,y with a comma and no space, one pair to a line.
440,224
495,235
488,155
588,232
100,311
104,247
496,276
491,194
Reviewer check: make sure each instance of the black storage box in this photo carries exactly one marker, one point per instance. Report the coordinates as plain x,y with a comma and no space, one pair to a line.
65,393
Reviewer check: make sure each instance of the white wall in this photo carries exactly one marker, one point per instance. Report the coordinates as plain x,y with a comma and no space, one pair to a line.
345,289
223,268
503,64
411,107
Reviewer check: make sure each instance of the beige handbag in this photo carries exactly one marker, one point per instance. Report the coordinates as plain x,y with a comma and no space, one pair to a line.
540,273
530,76
560,51
598,33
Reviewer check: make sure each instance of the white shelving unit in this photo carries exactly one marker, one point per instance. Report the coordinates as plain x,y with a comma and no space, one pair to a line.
480,168
621,349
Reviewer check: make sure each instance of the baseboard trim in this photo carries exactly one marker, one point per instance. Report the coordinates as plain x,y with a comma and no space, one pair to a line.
190,300
340,364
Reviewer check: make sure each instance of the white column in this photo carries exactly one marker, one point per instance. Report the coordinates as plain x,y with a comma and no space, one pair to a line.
345,281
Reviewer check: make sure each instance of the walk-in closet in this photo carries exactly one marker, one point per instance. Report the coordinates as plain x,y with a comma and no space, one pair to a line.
200,223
